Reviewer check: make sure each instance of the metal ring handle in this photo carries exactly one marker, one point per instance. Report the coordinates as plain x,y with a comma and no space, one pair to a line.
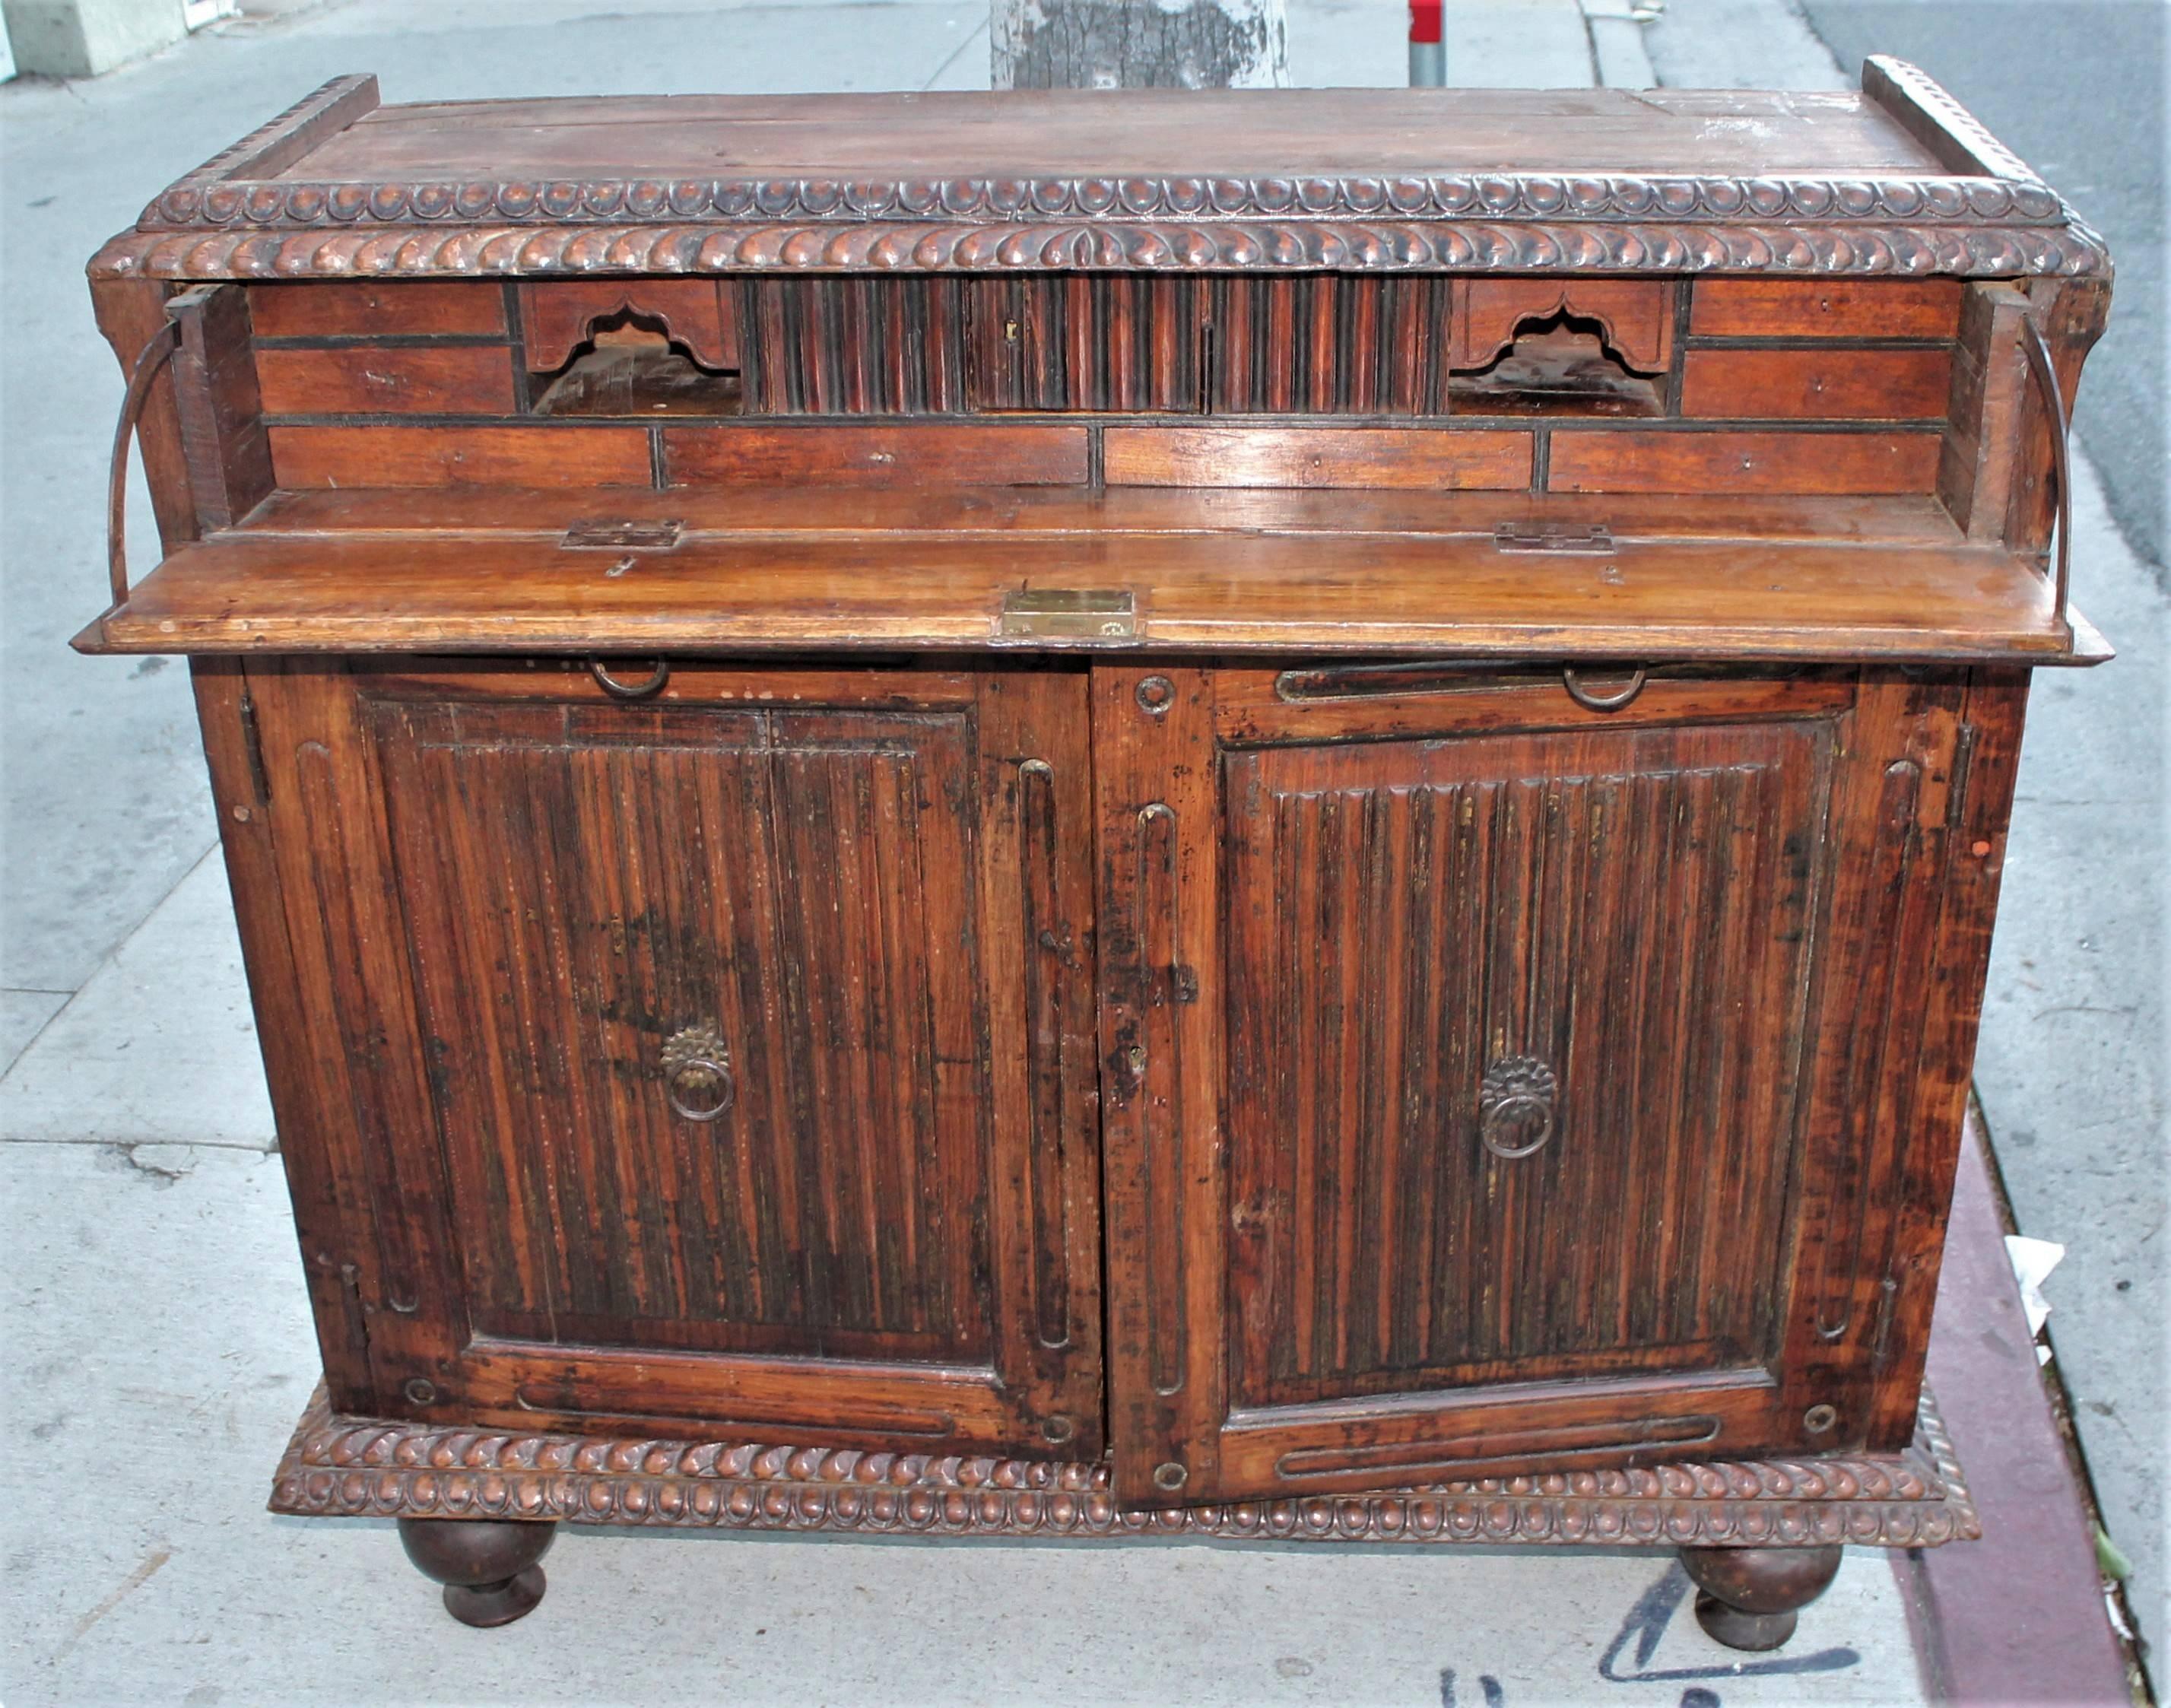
1572,681
2045,374
157,350
1515,1107
648,686
695,1060
1515,1088
698,1073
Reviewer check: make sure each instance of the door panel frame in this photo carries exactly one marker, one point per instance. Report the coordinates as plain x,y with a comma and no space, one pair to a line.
1173,1269
355,1104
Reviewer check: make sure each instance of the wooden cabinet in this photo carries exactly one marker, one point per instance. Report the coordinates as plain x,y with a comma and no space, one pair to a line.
1126,847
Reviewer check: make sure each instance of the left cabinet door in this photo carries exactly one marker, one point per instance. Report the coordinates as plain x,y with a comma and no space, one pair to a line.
721,1059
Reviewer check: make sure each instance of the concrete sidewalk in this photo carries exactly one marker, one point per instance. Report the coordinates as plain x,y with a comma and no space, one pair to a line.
154,1315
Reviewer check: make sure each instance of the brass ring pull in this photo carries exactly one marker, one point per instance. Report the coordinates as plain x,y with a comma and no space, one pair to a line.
649,685
1572,680
697,1075
1516,1090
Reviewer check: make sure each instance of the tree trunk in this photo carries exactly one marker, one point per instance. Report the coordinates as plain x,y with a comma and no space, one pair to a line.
1138,44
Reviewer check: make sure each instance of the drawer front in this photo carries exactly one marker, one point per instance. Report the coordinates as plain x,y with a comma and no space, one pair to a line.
1502,1079
754,1034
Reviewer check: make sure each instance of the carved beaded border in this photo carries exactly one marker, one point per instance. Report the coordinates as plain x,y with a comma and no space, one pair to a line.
191,204
339,1466
915,247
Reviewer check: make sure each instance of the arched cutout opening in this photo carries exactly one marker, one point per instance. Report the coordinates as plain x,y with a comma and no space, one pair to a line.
1562,363
629,364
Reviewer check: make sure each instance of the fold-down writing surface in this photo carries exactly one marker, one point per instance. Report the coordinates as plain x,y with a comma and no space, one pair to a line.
1227,592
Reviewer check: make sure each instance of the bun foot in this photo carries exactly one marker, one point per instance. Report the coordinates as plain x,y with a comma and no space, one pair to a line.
1747,1598
487,1564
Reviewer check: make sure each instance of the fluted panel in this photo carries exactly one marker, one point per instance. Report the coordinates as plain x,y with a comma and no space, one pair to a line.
1330,344
1106,341
594,882
1627,909
854,346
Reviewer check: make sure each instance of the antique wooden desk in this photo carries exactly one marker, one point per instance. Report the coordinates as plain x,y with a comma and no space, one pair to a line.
1263,815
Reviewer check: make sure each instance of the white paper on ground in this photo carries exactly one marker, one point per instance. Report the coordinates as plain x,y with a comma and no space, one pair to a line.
2033,1261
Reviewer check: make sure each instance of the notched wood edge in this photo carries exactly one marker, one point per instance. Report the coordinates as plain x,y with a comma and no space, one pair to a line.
354,1467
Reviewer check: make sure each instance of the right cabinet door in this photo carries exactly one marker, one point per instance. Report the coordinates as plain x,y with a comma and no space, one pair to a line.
1495,1081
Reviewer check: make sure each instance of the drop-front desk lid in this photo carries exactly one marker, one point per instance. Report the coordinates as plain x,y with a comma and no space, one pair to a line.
1223,571
1896,179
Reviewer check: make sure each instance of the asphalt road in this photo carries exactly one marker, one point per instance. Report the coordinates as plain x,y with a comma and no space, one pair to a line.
2077,90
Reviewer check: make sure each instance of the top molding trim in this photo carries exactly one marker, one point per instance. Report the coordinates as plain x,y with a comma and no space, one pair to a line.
1990,215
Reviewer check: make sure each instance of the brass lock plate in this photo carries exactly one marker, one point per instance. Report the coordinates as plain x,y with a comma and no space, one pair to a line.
1068,613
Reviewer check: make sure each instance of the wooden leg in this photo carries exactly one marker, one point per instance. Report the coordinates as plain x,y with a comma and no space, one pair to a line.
1746,1597
487,1564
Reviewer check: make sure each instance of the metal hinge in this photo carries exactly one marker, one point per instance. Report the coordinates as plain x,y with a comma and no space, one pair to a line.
355,1313
252,746
1595,537
1068,613
1956,791
618,535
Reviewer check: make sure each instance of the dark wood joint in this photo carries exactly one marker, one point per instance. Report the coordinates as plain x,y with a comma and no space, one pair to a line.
222,414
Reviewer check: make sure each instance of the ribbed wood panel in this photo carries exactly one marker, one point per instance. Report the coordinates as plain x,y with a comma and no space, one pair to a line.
1631,908
589,880
854,346
1326,344
1088,341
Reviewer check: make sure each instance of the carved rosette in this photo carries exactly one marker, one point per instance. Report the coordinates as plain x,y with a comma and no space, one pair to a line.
348,1467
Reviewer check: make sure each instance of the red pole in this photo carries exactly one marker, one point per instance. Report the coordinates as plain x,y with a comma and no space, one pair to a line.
1428,52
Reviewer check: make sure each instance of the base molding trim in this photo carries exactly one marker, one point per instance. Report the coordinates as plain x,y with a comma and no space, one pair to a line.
339,1466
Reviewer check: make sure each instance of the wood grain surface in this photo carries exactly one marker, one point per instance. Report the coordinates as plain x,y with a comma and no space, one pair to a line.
459,379
1638,461
1709,599
1349,456
1824,308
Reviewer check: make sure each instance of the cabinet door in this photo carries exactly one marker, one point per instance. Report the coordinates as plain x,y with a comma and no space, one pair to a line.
1494,1083
723,1057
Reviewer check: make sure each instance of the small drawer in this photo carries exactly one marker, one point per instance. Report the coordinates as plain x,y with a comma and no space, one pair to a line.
1825,308
1817,383
375,379
373,309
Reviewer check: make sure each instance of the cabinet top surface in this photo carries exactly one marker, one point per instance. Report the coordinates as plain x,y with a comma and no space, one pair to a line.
1148,132
1898,179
